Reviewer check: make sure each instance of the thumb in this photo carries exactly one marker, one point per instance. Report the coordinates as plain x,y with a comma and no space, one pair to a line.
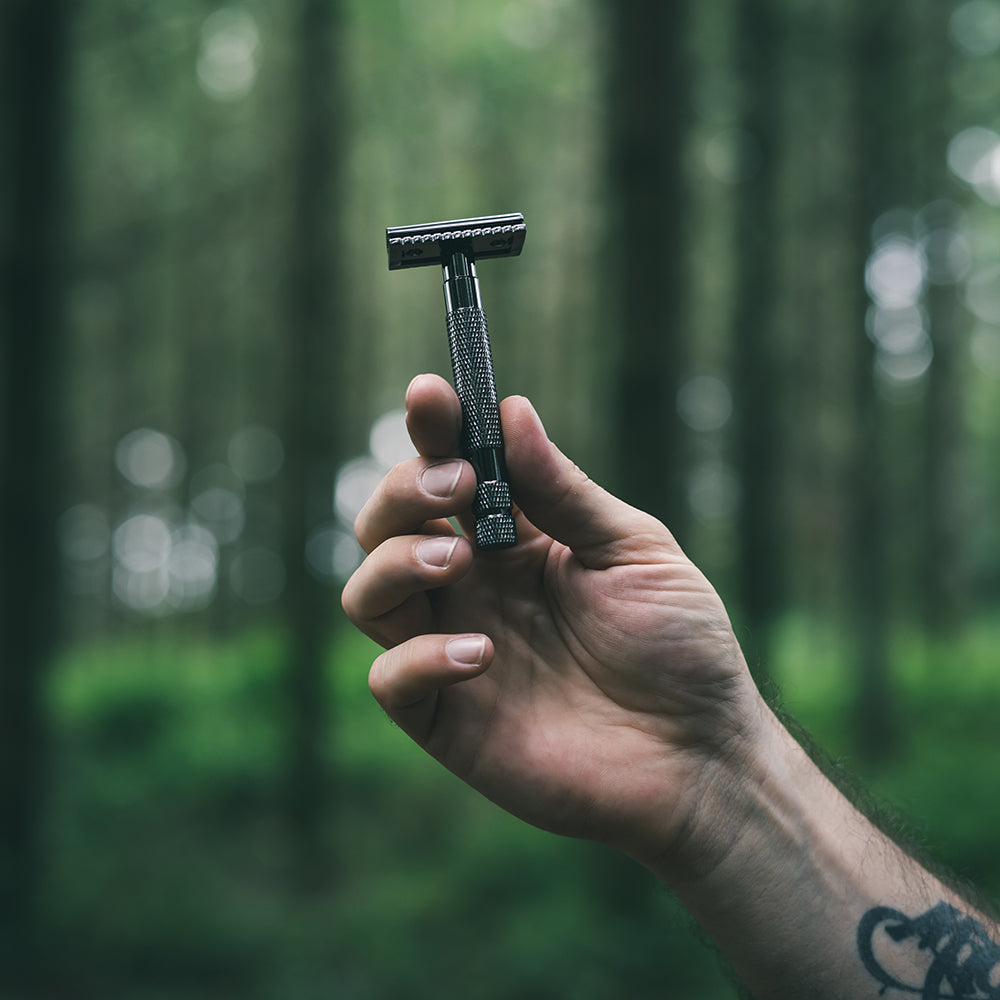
560,500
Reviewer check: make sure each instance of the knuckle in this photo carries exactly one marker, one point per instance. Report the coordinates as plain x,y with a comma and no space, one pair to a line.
349,599
347,603
377,682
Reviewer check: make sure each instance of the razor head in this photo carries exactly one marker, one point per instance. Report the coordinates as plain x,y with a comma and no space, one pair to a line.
489,236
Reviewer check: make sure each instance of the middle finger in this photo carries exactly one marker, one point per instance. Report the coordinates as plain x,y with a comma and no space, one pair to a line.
416,495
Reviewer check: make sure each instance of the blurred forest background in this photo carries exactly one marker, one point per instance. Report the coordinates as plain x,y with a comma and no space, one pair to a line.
760,296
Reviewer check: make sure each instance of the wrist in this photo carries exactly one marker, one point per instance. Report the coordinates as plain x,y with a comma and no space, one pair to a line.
781,870
771,851
726,798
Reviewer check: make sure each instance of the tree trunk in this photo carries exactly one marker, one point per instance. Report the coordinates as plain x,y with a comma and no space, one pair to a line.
35,68
648,119
757,369
875,126
312,422
939,572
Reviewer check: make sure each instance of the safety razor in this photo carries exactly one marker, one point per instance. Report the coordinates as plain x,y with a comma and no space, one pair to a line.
456,246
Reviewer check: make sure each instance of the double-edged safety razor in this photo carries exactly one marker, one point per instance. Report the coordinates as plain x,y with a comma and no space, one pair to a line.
456,246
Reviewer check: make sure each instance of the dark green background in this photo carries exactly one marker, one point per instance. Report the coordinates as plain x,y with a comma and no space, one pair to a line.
760,296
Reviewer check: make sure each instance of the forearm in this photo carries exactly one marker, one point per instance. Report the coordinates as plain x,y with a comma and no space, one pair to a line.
806,898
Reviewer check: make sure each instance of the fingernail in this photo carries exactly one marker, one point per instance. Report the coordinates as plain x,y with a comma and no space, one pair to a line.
437,550
467,649
440,480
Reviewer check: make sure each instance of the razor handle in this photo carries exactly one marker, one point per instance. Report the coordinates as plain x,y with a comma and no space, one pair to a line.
475,385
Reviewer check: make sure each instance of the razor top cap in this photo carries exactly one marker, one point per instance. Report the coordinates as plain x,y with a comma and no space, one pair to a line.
482,238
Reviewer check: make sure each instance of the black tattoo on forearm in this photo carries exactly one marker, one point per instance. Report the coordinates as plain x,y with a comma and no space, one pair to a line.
962,955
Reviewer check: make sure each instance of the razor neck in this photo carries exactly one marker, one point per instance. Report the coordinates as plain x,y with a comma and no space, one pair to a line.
461,285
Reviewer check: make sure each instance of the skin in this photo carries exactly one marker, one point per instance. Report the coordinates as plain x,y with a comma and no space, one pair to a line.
597,647
588,680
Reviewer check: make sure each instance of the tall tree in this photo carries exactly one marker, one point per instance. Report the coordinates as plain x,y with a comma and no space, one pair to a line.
757,352
874,80
939,572
311,414
34,63
648,119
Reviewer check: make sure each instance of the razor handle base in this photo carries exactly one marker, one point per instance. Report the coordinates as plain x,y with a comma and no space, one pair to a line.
482,437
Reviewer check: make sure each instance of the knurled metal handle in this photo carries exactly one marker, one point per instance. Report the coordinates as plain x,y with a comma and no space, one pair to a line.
482,437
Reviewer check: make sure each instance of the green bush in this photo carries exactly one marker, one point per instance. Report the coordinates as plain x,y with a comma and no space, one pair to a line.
172,866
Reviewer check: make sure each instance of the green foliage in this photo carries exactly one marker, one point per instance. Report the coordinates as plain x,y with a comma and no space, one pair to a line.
171,866
939,778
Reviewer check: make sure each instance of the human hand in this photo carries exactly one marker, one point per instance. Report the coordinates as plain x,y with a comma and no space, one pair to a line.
587,680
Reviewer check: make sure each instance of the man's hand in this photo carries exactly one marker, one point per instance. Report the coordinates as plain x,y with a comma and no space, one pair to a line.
588,679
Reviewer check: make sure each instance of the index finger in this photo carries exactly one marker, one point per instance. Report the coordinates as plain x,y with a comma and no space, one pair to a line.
433,416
